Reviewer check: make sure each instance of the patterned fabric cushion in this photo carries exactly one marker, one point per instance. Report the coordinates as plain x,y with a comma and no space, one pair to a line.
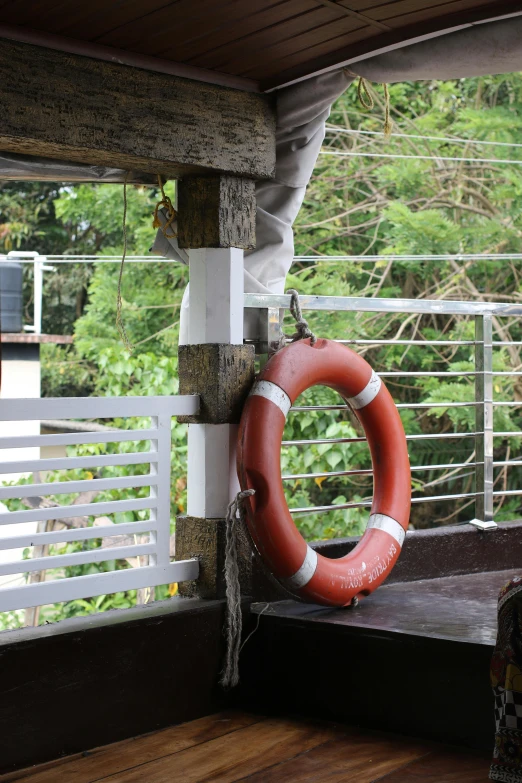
506,680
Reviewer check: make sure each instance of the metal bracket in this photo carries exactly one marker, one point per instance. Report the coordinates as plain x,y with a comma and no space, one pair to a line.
269,327
483,526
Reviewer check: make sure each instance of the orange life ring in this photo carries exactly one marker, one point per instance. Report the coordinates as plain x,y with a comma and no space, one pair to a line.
292,561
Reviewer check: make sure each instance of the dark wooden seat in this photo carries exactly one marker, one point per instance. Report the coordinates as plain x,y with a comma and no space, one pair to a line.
413,657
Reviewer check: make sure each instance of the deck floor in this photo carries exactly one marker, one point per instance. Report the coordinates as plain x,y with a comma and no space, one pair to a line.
236,746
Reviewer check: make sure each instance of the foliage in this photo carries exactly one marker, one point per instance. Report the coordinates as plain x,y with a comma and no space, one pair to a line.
427,204
72,220
424,202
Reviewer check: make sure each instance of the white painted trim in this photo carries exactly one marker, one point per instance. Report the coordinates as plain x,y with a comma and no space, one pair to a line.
85,509
212,477
369,393
305,573
95,584
78,534
72,463
74,559
388,525
64,487
270,391
76,438
96,407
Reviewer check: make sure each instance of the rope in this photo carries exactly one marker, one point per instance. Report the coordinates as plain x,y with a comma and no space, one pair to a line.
171,213
302,331
234,623
388,122
364,95
119,304
367,102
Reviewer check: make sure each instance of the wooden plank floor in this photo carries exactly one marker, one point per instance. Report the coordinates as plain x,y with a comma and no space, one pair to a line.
235,746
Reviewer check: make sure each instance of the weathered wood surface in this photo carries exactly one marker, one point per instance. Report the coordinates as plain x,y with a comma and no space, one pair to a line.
92,684
231,747
444,766
349,757
216,212
76,108
205,539
109,759
221,374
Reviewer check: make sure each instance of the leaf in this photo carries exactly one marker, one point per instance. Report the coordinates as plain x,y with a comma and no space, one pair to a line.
334,458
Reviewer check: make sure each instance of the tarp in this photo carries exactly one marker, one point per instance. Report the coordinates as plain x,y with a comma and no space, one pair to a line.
302,111
478,50
31,168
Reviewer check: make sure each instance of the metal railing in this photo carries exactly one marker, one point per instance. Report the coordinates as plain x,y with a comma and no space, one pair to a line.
46,523
481,460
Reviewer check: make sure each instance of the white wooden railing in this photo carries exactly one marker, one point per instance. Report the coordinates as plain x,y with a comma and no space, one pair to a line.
32,529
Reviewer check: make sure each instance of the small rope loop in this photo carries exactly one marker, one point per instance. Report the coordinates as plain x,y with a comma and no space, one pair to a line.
234,622
303,331
171,213
119,303
367,102
364,95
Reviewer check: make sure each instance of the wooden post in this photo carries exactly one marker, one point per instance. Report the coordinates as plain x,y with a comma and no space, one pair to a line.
217,212
216,328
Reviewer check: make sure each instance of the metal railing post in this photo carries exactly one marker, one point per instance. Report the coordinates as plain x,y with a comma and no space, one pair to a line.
484,422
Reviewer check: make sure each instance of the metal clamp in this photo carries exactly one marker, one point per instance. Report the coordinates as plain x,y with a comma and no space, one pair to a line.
483,526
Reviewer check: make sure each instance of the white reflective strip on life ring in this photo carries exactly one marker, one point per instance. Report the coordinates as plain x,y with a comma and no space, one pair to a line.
389,525
305,573
369,393
270,391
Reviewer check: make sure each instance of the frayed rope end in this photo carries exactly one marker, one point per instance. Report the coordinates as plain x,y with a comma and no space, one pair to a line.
234,621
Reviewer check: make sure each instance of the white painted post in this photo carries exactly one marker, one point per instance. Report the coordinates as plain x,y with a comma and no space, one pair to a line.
38,294
216,296
215,316
161,491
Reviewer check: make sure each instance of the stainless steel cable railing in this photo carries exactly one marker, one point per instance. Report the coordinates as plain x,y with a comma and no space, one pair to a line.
482,376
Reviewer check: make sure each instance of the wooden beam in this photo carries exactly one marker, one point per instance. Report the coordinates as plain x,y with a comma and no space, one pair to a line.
76,108
206,539
216,212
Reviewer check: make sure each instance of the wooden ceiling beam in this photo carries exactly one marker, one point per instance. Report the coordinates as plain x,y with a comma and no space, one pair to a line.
75,108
